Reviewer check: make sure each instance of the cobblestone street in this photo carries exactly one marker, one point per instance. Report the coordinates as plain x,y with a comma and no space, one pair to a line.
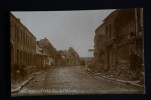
73,80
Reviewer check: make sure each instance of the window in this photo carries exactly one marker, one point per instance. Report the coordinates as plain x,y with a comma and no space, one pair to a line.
28,40
17,56
25,38
17,33
109,30
106,31
21,39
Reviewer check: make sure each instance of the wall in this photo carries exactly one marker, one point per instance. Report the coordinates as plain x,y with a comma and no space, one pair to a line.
23,44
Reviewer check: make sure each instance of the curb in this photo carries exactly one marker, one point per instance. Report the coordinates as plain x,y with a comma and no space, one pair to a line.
22,85
117,80
125,82
25,82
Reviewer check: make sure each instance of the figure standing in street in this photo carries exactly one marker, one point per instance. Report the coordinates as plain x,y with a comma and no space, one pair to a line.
136,65
133,61
22,69
16,73
140,67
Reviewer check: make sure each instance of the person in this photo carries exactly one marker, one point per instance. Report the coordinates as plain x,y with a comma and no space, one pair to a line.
133,61
22,69
16,73
139,62
139,66
18,76
82,63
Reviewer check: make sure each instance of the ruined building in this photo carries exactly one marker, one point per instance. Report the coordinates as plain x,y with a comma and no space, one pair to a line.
120,34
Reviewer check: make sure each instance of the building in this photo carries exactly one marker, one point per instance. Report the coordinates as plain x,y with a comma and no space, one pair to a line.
86,60
22,44
41,58
120,34
100,46
51,52
63,58
73,57
68,57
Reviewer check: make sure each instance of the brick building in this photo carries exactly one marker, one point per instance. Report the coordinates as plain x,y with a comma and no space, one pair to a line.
22,44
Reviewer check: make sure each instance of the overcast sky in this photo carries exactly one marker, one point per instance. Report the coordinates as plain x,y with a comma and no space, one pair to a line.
65,29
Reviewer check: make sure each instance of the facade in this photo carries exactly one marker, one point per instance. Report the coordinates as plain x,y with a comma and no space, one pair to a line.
22,44
119,36
73,57
52,54
68,57
49,61
63,58
41,58
99,45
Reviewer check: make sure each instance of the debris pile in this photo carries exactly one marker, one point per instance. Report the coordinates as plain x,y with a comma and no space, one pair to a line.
122,72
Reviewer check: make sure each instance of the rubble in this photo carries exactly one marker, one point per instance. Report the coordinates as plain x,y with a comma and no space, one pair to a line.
118,73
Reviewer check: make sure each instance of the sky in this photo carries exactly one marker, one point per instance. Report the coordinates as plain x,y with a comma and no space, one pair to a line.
65,29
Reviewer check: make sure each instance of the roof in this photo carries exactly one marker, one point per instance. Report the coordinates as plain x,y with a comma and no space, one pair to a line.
62,53
111,14
38,50
21,24
48,47
100,26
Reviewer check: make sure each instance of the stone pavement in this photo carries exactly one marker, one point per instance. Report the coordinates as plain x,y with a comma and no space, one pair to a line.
71,80
20,85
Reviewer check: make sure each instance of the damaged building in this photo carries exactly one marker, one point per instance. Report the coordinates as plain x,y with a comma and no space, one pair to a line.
120,34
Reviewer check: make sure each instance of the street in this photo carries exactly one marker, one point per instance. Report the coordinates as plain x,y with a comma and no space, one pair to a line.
73,80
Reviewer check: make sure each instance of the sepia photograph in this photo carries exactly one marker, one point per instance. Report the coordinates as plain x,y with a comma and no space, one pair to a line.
77,52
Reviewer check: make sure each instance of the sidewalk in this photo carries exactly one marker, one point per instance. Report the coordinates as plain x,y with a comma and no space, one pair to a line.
17,87
134,83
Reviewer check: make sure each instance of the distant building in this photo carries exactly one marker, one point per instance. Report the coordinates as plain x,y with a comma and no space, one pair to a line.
72,56
52,54
87,60
41,58
68,57
63,58
22,44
